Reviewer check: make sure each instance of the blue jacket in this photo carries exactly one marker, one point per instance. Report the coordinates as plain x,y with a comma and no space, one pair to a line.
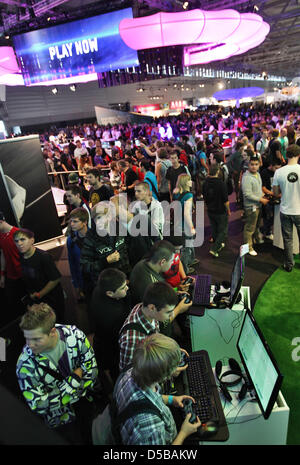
74,252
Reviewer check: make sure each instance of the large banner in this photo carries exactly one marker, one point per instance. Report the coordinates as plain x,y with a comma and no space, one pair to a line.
107,116
26,197
86,46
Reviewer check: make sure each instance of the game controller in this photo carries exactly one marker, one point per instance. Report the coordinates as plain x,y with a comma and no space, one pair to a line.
188,280
184,360
188,408
186,297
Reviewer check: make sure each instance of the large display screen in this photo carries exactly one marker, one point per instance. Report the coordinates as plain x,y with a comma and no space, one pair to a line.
260,365
86,46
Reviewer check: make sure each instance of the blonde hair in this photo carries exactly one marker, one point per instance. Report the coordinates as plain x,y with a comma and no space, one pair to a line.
39,316
182,182
101,208
155,359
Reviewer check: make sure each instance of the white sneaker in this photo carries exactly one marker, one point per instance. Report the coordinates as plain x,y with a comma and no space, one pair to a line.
259,240
253,253
270,237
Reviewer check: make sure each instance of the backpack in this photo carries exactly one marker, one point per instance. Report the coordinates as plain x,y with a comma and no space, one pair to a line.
256,141
193,165
106,428
227,178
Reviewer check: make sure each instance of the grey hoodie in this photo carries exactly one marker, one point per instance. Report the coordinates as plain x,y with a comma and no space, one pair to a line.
252,189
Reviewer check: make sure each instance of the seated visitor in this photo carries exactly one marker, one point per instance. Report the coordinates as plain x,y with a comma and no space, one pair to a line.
154,360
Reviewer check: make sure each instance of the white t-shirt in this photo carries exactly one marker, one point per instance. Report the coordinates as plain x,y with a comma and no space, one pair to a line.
155,211
288,179
80,151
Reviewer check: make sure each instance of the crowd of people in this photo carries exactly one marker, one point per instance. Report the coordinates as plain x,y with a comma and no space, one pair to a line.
130,253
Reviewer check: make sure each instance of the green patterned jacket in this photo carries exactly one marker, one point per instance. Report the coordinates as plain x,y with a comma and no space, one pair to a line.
48,396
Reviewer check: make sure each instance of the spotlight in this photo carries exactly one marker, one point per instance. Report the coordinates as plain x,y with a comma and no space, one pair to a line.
220,85
7,36
54,90
73,87
185,5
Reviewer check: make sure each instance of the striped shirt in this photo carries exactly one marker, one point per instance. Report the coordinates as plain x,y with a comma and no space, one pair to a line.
129,340
144,428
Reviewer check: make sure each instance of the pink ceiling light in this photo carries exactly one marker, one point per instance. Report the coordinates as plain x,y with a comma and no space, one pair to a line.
8,61
222,33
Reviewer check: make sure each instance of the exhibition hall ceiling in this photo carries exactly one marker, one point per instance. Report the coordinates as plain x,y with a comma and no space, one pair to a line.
278,55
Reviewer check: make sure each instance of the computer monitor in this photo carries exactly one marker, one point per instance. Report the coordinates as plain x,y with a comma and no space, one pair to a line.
259,364
237,278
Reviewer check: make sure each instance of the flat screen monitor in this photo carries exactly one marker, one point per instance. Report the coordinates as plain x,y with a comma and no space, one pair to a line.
237,278
86,46
259,364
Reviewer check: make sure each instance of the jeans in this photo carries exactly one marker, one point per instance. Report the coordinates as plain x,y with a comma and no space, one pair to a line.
251,228
268,219
187,254
219,229
287,222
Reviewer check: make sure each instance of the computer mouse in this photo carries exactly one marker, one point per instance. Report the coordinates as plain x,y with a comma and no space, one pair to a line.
208,429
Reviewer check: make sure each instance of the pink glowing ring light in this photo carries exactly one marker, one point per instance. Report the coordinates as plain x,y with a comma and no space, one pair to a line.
8,61
221,34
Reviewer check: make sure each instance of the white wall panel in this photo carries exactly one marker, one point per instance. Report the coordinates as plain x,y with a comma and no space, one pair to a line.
36,105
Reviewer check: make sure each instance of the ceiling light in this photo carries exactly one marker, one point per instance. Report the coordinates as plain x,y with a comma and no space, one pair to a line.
185,5
73,87
220,85
54,90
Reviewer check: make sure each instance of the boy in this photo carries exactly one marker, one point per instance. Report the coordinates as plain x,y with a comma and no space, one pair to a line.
39,273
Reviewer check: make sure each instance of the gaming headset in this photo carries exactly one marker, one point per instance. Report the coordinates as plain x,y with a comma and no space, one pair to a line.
234,370
221,298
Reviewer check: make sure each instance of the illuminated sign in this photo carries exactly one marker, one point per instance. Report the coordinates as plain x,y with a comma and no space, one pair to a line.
147,108
86,46
178,104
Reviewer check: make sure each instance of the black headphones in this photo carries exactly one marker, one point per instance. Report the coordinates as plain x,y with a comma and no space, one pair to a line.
234,370
221,298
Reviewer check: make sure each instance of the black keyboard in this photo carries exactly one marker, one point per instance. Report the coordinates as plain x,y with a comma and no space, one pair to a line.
201,384
201,294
